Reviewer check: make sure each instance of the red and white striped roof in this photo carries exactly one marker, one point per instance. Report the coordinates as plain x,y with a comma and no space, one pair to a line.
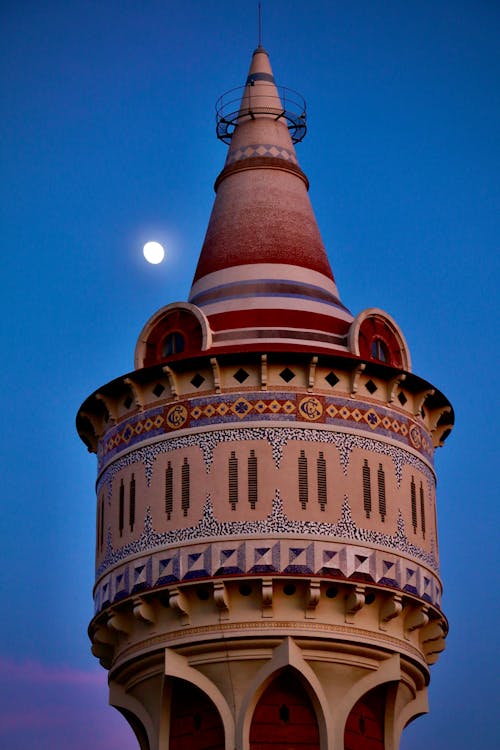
263,276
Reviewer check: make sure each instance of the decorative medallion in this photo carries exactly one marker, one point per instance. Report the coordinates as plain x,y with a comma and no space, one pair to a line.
176,416
311,408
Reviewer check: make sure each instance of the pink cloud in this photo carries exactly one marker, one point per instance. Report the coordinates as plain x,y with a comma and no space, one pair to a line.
32,671
54,707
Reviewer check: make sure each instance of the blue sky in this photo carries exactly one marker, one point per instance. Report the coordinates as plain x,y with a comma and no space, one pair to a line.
107,140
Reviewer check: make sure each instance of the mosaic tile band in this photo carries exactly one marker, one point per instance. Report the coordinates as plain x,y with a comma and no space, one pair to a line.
292,407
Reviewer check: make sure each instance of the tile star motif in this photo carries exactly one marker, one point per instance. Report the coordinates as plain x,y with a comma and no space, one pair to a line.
241,407
372,419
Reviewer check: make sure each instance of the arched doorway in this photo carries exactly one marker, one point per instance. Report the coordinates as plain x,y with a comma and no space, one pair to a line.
284,718
195,723
364,729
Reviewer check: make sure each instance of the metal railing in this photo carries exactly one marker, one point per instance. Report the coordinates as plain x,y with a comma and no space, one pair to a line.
236,105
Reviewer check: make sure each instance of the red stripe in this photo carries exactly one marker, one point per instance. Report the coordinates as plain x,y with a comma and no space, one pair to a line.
297,319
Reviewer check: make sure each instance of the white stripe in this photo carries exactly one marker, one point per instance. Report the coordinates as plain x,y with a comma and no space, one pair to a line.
239,304
259,271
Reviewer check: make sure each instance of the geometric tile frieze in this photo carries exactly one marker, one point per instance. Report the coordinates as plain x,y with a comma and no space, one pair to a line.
267,557
235,408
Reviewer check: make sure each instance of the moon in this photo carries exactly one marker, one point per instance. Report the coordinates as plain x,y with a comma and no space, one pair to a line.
153,252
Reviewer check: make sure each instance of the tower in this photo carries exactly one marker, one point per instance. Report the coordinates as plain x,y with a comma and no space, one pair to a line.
266,556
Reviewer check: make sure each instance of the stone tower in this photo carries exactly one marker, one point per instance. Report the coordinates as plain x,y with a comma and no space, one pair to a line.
267,558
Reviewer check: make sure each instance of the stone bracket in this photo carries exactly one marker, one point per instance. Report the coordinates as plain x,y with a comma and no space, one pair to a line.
143,611
420,399
312,374
221,599
390,609
172,381
313,597
354,602
416,618
263,372
179,603
355,376
215,374
392,385
120,623
267,597
137,392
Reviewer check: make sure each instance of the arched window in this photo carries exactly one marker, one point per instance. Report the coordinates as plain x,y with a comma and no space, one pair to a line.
173,344
379,350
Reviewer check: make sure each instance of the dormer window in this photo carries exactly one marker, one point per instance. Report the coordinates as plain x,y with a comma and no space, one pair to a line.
375,336
173,344
379,350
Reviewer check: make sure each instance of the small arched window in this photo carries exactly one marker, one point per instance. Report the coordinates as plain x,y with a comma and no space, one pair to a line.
379,350
173,344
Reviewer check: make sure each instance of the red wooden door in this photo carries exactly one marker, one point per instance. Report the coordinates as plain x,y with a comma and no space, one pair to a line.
364,729
284,718
195,722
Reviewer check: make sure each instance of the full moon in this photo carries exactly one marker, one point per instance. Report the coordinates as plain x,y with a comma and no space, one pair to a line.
153,252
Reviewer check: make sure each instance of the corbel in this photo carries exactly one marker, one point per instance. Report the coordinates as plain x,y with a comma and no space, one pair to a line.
390,609
267,597
172,381
355,376
178,601
432,632
313,597
110,405
312,373
436,415
263,372
143,611
136,392
120,623
94,421
215,373
392,385
92,434
221,599
103,635
420,399
415,619
437,435
355,600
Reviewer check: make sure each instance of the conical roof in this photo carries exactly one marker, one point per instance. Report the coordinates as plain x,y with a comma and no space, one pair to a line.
263,275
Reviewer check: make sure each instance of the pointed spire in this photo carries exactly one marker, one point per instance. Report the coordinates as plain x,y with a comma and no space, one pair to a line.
263,274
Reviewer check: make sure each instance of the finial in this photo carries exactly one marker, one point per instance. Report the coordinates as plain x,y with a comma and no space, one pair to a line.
260,25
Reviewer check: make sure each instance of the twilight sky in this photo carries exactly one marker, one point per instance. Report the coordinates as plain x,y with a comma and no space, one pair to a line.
107,140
